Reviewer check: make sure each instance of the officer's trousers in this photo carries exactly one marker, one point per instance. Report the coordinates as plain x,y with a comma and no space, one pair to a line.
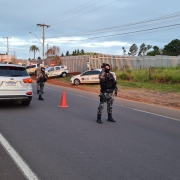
106,97
38,86
41,86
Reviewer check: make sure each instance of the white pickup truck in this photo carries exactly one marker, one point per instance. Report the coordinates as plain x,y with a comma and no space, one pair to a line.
56,71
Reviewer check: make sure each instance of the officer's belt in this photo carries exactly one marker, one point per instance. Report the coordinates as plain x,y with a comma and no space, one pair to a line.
107,90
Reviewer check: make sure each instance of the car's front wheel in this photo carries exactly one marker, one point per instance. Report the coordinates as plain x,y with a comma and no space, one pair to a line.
26,102
76,82
63,74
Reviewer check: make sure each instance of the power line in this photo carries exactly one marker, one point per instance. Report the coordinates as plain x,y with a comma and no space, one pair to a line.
106,31
86,12
128,33
3,44
127,25
69,12
32,27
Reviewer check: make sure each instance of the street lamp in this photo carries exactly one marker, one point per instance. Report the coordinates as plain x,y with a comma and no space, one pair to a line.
42,48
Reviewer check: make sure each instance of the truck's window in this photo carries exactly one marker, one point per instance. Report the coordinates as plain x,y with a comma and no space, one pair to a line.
57,68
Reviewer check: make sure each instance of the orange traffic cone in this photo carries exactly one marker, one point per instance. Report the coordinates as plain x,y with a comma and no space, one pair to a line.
63,100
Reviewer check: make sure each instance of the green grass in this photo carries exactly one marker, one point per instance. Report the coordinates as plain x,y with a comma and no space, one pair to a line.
149,86
162,79
159,75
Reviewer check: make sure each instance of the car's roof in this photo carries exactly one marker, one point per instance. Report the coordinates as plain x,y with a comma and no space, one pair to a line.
11,65
96,69
32,64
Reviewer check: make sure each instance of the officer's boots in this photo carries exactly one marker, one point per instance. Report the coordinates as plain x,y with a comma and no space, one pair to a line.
40,97
110,119
37,91
99,119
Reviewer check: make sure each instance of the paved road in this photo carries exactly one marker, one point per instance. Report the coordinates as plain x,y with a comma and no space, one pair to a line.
67,143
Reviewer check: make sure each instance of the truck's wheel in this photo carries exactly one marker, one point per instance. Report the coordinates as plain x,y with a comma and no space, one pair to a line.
63,74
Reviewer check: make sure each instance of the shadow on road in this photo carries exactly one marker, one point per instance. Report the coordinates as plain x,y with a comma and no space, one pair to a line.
11,104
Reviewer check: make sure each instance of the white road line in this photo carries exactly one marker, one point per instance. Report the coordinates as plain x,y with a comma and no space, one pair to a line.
148,112
25,169
119,105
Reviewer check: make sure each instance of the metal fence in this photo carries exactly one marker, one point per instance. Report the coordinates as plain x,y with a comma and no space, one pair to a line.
80,63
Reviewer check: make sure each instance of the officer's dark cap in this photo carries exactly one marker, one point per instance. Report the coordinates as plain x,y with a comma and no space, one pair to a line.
107,65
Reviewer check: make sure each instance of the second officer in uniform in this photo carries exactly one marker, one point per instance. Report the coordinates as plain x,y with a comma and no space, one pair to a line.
108,86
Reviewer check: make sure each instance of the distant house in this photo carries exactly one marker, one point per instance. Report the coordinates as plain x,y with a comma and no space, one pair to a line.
4,58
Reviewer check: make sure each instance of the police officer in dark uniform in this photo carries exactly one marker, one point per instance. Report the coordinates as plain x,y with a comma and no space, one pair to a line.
42,78
108,86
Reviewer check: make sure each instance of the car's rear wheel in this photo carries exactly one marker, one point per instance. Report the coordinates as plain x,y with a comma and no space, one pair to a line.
26,102
63,74
76,82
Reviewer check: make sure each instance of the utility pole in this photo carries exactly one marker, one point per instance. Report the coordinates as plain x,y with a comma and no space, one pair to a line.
47,49
7,48
43,38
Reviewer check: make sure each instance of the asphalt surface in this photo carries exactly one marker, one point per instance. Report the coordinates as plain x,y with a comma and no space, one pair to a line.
68,144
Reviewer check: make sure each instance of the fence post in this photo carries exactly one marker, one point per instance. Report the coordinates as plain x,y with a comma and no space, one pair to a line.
124,69
150,72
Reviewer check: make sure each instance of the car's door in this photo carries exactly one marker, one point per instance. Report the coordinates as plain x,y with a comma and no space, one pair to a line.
57,71
50,72
94,78
85,77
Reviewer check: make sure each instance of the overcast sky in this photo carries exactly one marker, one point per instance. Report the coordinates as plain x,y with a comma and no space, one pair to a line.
103,26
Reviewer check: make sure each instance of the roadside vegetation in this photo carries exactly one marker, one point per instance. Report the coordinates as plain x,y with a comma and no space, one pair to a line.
157,79
161,79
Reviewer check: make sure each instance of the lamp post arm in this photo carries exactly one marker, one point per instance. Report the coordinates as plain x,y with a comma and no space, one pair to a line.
35,36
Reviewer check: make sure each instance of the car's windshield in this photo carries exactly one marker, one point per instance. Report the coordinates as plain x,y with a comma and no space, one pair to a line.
12,71
47,69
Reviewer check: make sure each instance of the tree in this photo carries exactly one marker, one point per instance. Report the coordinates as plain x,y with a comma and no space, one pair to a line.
143,49
124,50
82,51
156,51
53,51
67,53
39,58
78,53
173,48
34,49
133,50
62,54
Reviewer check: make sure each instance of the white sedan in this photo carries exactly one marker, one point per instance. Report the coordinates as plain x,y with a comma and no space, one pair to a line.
90,76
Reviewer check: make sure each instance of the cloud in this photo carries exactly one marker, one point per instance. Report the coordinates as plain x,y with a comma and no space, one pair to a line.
105,44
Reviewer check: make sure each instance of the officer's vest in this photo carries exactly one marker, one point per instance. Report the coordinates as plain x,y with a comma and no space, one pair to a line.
109,83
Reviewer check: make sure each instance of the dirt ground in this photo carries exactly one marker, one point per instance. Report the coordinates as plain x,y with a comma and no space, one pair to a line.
171,100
